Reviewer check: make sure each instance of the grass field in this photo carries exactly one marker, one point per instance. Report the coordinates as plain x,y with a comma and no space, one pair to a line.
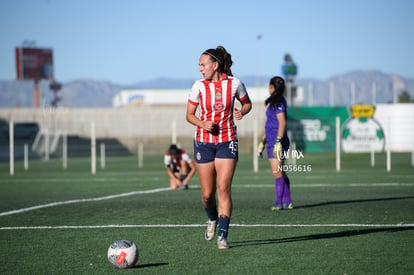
357,221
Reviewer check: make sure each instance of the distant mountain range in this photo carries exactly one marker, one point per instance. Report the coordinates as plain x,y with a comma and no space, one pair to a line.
97,93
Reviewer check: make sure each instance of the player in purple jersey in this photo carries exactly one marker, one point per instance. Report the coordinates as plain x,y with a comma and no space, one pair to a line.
277,142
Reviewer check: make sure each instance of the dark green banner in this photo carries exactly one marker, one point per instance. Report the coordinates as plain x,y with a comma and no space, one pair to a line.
313,128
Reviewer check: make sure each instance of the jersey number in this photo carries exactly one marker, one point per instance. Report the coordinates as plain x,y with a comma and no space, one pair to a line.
233,147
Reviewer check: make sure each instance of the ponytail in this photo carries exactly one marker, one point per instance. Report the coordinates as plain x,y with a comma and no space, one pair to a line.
277,95
227,61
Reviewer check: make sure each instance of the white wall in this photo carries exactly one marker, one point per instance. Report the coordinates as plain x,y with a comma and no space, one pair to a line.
142,121
171,96
397,121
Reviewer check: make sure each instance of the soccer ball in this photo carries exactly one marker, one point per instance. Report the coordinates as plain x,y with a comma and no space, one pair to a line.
123,254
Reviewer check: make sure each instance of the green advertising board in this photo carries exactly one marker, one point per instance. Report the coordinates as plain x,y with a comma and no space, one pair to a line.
313,128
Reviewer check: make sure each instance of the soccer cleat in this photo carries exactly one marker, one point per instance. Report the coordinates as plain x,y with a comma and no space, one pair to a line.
222,243
183,187
276,207
211,230
288,206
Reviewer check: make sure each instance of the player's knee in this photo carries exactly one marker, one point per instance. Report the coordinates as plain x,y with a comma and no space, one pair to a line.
223,189
207,199
277,174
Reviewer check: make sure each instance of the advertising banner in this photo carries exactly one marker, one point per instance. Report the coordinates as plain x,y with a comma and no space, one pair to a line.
313,128
34,64
361,132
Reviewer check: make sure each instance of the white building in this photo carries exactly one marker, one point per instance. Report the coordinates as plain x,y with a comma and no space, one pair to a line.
133,97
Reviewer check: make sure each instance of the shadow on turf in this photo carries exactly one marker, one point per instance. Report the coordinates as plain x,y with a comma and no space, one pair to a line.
148,265
352,201
348,233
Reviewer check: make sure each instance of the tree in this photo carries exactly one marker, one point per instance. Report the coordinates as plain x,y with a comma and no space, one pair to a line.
404,97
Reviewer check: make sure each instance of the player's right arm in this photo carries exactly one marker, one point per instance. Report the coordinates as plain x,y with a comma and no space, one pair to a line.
192,105
170,173
173,179
193,119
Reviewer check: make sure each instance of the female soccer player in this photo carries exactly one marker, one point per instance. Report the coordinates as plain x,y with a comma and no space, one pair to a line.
215,142
179,166
277,142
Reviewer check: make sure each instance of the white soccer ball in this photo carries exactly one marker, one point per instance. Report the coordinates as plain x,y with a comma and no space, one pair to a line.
123,254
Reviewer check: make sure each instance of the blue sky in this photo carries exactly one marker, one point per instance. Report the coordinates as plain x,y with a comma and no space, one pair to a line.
128,41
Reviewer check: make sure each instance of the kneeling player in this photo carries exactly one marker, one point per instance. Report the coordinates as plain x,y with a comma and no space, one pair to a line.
179,167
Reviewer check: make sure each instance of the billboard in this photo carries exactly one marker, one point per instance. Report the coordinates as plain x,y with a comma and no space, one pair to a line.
34,64
361,132
313,128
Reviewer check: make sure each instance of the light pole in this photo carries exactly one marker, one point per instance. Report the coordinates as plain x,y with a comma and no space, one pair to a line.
258,38
289,71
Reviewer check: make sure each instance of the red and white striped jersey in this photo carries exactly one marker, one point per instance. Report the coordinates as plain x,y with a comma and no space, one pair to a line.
216,100
174,164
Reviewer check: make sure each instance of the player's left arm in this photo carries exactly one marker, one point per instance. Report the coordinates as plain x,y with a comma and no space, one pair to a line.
191,173
244,99
245,109
277,149
282,124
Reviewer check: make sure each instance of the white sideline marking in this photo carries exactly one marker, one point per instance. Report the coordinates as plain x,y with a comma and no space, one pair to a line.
82,200
52,204
384,184
398,225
